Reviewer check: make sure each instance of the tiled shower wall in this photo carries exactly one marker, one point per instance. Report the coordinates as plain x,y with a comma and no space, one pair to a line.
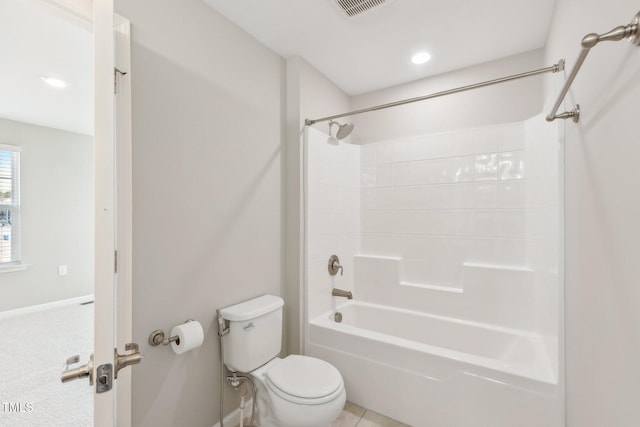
467,220
333,216
440,201
544,158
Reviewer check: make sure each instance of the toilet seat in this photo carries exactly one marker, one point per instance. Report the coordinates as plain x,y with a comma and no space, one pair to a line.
304,380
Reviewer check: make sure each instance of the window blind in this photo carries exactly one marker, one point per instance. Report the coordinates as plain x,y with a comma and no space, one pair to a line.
9,204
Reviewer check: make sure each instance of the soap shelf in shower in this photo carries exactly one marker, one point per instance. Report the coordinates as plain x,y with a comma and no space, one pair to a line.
432,287
498,267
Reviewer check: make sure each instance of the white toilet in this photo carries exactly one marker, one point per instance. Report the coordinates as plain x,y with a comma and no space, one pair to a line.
297,391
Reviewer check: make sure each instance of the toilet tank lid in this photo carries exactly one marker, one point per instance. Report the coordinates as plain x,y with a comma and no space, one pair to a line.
251,309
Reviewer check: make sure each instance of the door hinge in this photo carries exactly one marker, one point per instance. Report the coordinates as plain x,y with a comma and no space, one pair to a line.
116,71
115,261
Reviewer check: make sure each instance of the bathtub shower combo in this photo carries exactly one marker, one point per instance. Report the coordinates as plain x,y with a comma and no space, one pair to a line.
443,305
449,307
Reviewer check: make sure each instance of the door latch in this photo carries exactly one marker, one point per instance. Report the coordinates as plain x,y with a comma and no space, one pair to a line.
104,378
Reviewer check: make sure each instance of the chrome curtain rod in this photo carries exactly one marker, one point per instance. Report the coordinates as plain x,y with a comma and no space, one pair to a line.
630,32
552,69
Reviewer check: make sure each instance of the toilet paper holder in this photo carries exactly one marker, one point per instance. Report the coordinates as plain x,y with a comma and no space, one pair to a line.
157,337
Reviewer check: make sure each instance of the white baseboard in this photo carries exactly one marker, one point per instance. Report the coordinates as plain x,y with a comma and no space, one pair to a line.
233,419
48,306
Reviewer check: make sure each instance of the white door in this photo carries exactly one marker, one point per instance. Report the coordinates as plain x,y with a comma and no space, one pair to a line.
113,349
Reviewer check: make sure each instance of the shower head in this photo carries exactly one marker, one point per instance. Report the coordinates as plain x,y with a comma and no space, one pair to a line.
344,130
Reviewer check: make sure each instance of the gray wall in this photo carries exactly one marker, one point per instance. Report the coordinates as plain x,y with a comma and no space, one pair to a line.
518,100
56,215
207,194
602,207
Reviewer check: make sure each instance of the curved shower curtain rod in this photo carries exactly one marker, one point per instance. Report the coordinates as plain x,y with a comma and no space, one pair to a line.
551,69
630,32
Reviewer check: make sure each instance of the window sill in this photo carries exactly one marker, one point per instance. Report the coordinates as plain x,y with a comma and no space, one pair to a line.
14,267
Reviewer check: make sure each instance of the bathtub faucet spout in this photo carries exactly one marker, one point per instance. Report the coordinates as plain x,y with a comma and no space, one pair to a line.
340,293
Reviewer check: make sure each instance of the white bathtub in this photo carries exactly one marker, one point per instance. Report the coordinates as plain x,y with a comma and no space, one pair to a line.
433,371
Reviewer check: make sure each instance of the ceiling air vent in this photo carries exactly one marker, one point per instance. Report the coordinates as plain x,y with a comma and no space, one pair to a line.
356,7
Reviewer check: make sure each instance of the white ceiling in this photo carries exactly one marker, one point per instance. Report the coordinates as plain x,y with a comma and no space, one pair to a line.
373,50
38,39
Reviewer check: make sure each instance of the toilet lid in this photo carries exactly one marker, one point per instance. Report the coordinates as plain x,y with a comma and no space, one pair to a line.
305,377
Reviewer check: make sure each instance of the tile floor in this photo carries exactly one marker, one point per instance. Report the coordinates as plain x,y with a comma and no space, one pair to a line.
356,416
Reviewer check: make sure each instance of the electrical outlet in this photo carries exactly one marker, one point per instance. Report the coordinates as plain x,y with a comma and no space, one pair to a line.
62,270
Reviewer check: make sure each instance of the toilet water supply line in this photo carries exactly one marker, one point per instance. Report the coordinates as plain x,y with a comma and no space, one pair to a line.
242,409
234,381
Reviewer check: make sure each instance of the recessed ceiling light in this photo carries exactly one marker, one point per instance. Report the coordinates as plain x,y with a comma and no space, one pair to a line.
420,58
54,82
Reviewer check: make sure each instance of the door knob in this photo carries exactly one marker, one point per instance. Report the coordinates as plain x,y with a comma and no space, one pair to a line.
70,374
124,360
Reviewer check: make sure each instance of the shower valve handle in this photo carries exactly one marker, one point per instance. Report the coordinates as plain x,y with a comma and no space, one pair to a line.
338,266
334,265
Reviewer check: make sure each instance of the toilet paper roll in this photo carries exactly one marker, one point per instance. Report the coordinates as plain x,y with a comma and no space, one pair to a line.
190,335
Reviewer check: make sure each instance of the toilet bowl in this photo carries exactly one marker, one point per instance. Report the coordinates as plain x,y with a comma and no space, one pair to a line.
298,391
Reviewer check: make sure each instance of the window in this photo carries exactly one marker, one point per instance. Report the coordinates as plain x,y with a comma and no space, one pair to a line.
9,205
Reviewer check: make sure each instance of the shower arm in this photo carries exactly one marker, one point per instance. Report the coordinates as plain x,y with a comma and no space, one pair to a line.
630,32
551,69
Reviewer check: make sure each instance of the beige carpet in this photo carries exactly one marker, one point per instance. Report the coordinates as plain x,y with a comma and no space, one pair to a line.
33,348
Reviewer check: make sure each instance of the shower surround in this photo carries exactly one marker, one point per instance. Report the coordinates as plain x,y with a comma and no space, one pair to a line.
451,246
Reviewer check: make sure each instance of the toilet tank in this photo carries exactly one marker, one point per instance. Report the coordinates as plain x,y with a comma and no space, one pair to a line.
255,332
